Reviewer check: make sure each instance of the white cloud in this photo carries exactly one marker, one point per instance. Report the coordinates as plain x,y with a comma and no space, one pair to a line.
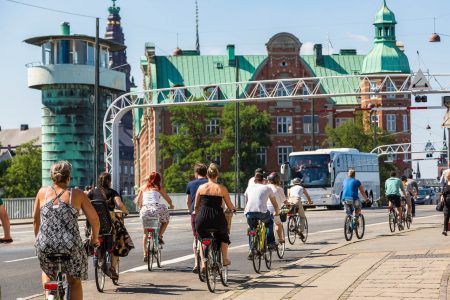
358,37
307,48
213,50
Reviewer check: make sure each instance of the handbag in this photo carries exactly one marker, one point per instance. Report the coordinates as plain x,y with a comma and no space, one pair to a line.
440,206
123,243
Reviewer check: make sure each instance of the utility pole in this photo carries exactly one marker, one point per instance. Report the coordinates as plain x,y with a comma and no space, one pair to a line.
313,125
96,103
237,141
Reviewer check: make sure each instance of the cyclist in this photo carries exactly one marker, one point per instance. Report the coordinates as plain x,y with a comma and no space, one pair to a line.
415,189
275,185
252,180
256,197
105,193
409,188
200,171
295,194
393,186
350,198
150,205
209,213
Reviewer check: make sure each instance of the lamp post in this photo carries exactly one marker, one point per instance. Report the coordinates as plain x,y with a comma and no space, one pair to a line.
373,124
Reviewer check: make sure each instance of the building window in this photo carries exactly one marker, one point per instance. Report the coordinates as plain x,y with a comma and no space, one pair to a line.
262,91
341,121
132,170
178,95
407,156
125,170
373,89
212,93
391,123
213,126
375,120
175,129
307,124
284,125
405,123
283,154
390,88
261,155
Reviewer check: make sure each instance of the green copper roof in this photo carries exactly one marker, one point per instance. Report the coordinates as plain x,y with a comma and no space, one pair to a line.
385,15
385,58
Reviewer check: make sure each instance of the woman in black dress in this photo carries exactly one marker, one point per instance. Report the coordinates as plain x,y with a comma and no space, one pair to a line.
209,211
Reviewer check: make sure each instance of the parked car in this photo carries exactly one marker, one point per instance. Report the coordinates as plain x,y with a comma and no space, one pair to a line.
425,196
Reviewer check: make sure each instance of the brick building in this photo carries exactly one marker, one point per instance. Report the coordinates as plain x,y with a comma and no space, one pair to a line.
291,121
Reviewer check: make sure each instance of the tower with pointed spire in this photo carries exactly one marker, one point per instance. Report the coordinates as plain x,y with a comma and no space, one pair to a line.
197,36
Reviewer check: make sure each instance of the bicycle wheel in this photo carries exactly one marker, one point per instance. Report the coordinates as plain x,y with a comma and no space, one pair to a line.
281,247
392,220
348,230
256,254
305,230
211,271
201,276
267,256
150,250
158,256
292,230
223,271
115,281
407,219
99,277
360,227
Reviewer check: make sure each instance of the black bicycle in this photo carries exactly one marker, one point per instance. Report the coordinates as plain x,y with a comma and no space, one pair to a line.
213,262
293,227
354,223
58,289
393,220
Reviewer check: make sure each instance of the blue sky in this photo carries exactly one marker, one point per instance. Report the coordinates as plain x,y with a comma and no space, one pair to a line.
249,24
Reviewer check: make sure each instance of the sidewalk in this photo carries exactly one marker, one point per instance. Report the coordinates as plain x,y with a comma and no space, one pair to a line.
382,266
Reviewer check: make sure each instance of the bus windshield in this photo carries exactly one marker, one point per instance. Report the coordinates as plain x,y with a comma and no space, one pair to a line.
312,169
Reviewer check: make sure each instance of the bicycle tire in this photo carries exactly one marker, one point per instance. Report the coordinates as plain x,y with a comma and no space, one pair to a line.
99,277
305,231
158,257
361,227
116,281
392,220
211,272
268,256
256,256
281,247
150,256
223,270
201,276
291,230
406,219
348,230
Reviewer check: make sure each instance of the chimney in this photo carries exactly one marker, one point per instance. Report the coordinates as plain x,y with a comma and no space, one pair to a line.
231,55
23,127
65,28
150,51
318,54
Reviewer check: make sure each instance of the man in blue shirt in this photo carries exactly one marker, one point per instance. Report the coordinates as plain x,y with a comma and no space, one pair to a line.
350,194
200,170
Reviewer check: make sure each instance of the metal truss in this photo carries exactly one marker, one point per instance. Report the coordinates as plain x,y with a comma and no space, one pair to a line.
428,147
301,89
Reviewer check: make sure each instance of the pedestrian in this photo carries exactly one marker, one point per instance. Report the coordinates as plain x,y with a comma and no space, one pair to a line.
150,206
56,211
200,171
445,198
7,239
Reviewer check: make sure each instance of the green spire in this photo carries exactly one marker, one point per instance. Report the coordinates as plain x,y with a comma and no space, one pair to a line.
114,9
384,15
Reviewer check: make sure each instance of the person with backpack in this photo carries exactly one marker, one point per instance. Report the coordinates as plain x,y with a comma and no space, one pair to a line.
445,199
56,211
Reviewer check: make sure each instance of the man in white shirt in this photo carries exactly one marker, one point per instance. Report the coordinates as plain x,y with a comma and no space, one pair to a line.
257,196
252,180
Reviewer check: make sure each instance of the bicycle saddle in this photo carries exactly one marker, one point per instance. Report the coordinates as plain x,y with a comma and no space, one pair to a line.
58,257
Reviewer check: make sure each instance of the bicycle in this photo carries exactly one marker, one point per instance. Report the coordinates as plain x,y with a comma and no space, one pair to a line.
259,248
58,289
201,276
281,247
353,223
406,218
293,230
102,261
151,226
393,220
213,262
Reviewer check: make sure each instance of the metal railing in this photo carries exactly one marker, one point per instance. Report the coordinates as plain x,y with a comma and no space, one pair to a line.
19,208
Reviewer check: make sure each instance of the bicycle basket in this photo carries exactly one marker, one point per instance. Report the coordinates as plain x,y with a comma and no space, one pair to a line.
150,222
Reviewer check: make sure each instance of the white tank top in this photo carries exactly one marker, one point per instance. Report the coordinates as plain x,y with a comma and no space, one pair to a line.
150,198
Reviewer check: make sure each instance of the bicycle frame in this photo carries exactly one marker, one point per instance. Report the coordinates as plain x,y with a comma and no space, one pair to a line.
57,288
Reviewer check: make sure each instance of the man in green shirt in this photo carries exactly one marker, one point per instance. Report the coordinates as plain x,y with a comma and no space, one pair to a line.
393,186
5,222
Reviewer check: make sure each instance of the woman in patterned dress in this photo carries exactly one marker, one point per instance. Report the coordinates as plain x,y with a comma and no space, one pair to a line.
64,203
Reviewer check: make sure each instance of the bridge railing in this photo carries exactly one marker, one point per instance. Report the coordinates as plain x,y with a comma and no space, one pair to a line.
19,208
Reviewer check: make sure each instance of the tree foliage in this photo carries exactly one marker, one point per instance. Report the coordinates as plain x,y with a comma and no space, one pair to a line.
23,176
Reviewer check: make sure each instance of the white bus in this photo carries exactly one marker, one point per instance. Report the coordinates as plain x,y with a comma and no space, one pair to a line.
323,172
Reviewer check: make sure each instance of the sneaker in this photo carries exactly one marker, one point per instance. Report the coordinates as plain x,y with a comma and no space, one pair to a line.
250,256
114,274
160,240
400,226
195,270
145,259
301,235
444,233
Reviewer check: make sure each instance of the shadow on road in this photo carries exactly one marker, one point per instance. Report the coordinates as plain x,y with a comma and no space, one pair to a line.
142,288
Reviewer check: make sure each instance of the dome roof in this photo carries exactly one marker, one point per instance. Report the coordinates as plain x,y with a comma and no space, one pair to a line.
384,15
177,52
385,58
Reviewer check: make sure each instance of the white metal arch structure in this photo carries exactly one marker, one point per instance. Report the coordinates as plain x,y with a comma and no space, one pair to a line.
251,91
411,148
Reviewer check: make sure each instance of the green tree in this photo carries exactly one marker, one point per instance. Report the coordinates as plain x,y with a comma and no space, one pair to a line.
24,174
254,133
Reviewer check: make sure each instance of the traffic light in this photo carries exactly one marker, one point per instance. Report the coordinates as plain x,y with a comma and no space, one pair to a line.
429,155
419,98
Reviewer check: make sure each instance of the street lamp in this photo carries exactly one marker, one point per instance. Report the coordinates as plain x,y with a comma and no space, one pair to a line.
436,37
373,123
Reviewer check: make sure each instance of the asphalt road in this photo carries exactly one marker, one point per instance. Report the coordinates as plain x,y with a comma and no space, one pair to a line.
20,272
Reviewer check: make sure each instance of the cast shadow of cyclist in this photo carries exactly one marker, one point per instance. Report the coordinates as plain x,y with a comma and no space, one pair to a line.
154,289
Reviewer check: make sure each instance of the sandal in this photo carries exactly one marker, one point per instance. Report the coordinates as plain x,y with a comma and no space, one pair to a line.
226,262
6,241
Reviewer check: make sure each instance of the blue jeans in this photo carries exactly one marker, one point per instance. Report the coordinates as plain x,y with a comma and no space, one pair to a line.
266,218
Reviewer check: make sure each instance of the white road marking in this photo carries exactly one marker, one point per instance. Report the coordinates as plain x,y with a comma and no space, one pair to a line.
20,259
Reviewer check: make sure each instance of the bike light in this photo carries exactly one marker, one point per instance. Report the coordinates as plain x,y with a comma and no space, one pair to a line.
206,242
150,229
51,286
252,233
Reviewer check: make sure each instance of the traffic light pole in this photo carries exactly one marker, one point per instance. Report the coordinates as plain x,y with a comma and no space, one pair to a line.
96,103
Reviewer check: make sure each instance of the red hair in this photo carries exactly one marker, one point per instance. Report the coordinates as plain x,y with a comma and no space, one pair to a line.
154,181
